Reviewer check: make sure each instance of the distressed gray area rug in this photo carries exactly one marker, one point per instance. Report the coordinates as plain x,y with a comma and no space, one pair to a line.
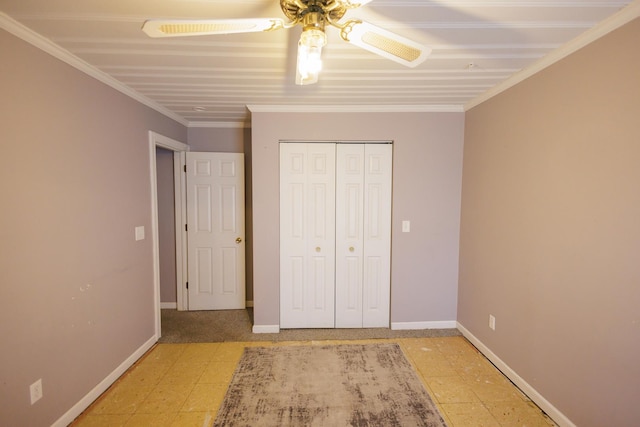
329,385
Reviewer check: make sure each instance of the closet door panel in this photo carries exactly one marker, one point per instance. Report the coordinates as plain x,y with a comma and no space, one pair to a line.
295,276
292,233
349,234
377,235
307,235
321,245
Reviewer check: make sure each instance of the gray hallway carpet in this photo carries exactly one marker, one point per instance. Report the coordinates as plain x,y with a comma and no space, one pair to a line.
236,325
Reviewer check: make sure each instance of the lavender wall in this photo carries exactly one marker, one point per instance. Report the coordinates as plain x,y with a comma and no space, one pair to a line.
219,139
426,190
166,225
550,234
76,289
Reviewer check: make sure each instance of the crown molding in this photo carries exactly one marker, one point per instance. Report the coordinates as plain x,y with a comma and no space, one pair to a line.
202,124
356,108
617,20
17,29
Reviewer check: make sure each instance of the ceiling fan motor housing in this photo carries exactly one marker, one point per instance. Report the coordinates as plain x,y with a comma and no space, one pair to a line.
298,10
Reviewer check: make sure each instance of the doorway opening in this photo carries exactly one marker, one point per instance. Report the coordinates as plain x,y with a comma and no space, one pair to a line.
179,150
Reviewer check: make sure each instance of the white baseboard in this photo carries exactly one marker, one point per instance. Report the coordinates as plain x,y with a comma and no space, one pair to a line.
170,305
447,324
442,324
526,388
266,329
84,403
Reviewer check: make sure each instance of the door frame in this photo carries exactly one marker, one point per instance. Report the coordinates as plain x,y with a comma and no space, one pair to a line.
179,161
390,221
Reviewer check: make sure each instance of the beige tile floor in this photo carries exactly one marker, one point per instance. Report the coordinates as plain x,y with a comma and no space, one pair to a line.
184,384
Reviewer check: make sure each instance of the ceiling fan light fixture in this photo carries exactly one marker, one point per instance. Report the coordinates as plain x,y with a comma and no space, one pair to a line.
384,43
313,16
309,62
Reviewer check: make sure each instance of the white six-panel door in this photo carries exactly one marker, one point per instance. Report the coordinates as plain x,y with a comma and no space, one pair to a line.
215,231
349,261
307,235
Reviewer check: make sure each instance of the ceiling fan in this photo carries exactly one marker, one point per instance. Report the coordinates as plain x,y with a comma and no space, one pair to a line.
313,16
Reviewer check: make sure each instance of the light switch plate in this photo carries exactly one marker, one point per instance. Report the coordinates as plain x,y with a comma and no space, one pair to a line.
140,232
35,391
406,226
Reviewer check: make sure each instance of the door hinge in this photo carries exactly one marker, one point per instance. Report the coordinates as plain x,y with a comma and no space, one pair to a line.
185,168
187,285
186,228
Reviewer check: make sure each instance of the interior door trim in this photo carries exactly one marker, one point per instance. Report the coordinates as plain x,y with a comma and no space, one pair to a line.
157,140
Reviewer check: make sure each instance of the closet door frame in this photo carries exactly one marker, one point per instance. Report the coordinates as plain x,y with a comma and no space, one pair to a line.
360,282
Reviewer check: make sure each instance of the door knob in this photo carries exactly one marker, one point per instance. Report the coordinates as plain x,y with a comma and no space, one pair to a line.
318,249
239,240
351,249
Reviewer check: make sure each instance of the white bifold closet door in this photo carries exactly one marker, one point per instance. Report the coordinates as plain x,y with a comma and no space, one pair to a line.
335,235
307,235
363,235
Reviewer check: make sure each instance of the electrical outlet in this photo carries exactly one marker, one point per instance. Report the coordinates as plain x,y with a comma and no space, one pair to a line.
492,322
36,391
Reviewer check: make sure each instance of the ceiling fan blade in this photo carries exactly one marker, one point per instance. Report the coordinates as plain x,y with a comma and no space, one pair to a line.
384,43
352,4
191,27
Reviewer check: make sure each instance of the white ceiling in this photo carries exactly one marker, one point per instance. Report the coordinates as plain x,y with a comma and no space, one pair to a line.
477,44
